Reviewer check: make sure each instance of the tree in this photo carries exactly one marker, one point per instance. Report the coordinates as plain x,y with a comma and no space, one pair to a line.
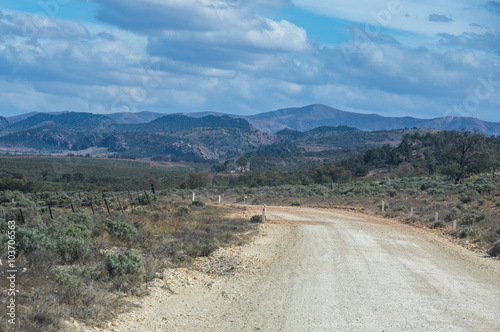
465,151
195,180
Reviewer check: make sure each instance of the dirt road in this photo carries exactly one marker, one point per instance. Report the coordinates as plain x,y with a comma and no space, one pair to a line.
322,270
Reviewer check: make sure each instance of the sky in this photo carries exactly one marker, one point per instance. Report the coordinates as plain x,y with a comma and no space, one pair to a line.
423,58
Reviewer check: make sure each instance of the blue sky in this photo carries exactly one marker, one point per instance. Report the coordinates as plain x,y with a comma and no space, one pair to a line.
394,58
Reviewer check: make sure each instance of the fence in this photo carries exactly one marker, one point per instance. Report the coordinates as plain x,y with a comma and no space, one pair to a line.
107,202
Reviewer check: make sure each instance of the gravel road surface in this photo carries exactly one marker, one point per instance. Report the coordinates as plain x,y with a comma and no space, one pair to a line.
325,270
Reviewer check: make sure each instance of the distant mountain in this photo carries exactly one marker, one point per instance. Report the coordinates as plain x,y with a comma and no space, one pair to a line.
17,118
134,118
313,116
172,137
3,122
64,120
176,122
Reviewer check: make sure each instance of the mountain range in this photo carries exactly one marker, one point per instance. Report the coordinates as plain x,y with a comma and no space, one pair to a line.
213,136
310,117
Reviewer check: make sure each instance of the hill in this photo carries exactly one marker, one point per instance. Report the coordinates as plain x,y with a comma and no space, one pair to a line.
3,122
134,118
175,122
313,116
69,120
172,137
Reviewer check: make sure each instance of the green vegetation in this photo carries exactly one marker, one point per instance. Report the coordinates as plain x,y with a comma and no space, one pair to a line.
92,260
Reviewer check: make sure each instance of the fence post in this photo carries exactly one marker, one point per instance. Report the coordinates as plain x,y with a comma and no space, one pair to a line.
107,206
22,216
92,207
130,196
264,214
436,217
153,188
245,201
454,225
50,211
219,199
121,207
193,196
72,208
383,206
411,212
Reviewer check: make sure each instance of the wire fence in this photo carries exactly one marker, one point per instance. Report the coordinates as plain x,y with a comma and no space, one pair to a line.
96,202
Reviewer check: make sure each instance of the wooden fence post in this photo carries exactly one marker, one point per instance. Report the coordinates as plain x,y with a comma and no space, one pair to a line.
121,207
92,207
107,206
22,216
50,211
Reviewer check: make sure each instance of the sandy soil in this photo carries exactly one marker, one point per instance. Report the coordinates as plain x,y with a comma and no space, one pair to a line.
326,270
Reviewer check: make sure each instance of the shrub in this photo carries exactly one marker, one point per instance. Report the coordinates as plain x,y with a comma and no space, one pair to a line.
468,232
183,210
470,218
256,218
296,203
198,203
80,218
30,239
72,248
203,248
495,250
120,230
126,262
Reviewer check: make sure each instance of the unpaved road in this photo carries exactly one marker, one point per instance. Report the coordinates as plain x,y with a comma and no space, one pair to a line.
324,270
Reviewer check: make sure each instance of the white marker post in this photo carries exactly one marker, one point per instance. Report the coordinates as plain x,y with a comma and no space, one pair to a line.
454,225
383,206
411,212
245,201
219,199
193,196
436,217
264,214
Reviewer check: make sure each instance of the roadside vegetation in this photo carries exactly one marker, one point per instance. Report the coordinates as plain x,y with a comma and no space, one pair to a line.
80,265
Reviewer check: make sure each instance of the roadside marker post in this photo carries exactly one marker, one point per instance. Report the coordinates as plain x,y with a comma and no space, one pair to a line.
219,200
264,214
245,201
383,206
194,196
454,225
411,212
436,217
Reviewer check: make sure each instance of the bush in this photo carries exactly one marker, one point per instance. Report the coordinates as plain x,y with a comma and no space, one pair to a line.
120,230
203,248
126,262
470,218
468,232
80,218
256,218
198,203
30,239
72,248
495,250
